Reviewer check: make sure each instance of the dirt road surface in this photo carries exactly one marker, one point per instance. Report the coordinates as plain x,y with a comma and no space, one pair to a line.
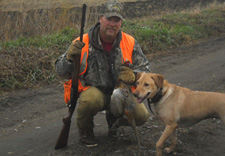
31,119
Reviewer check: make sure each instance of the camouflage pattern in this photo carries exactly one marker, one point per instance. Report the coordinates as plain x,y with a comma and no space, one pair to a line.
103,67
113,9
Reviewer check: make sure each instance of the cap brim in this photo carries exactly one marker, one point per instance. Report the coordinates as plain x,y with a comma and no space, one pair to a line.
113,14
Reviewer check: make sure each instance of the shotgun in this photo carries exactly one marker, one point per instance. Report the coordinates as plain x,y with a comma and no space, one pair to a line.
64,134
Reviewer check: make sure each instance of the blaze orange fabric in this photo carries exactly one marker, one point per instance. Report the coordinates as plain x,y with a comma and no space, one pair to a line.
68,84
126,45
67,90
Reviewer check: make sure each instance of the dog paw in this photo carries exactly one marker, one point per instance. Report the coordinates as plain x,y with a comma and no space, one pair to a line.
168,150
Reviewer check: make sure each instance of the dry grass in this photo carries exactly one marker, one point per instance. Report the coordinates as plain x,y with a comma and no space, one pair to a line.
38,22
26,67
30,66
31,18
17,5
28,18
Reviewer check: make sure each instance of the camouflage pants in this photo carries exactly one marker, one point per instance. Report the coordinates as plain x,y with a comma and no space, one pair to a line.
92,101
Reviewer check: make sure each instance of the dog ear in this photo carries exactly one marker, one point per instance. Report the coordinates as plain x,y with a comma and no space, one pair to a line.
158,80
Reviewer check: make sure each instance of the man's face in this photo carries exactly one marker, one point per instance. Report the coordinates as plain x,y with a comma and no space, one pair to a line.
109,28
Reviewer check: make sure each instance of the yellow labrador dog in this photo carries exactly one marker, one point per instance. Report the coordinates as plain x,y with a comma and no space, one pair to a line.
177,106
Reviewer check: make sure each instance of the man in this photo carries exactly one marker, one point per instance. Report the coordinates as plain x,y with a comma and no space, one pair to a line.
103,52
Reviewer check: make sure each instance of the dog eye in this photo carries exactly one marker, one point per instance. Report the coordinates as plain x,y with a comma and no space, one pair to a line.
146,85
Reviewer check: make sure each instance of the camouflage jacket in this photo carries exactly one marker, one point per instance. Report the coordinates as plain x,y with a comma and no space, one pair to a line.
103,67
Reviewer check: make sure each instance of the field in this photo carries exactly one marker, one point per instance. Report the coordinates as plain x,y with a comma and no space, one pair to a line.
21,5
50,37
186,47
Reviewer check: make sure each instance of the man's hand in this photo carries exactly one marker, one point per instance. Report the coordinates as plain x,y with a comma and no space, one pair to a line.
126,75
74,49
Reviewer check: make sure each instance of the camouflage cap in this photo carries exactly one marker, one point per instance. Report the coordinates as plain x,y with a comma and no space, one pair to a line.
113,9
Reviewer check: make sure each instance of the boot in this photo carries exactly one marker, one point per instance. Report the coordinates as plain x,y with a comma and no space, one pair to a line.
88,138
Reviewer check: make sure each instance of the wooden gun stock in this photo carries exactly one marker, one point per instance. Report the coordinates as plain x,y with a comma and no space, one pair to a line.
64,134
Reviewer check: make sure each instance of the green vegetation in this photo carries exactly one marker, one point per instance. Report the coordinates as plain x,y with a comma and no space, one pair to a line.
176,29
58,39
29,62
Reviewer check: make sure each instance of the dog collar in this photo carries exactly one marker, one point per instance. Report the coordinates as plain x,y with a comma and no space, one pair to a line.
157,96
155,99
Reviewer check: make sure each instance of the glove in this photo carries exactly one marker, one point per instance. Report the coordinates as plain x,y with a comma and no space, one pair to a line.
126,75
74,49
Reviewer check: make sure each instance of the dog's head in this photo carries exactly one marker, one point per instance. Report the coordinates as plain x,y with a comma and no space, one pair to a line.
148,84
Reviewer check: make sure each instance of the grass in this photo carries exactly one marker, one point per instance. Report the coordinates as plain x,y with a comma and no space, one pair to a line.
29,61
15,5
176,29
57,40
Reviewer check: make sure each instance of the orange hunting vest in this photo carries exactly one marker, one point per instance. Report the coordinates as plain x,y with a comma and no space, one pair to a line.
126,45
